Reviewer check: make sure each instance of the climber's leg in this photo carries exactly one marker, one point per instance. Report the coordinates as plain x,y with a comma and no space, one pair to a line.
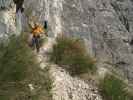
37,42
33,44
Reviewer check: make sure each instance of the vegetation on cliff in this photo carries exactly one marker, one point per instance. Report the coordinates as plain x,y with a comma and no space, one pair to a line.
113,88
70,53
20,70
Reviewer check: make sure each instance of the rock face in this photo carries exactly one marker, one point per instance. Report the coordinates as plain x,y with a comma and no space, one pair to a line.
7,19
105,25
39,11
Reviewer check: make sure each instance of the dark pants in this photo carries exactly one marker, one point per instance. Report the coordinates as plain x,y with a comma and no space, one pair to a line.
36,42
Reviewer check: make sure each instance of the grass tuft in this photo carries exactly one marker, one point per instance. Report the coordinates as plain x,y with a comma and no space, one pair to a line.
113,88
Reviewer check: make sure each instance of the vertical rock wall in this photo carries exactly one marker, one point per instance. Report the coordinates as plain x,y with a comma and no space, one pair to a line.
105,25
41,10
7,19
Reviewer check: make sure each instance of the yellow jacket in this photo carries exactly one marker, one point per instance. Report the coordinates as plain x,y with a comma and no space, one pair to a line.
37,30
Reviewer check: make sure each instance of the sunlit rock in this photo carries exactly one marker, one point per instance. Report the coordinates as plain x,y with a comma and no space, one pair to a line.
7,19
101,23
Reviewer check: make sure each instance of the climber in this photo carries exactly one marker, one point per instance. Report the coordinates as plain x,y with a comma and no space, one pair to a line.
46,27
36,34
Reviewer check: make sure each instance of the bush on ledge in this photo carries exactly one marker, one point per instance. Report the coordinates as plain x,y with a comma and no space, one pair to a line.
70,53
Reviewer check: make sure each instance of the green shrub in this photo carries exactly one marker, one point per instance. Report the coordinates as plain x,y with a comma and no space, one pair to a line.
16,60
71,54
113,88
18,69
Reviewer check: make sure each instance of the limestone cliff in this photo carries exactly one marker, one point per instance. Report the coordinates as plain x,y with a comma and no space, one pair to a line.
105,25
7,18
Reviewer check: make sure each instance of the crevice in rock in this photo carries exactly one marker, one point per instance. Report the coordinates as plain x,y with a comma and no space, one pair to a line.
121,63
19,5
115,6
2,8
122,18
121,0
131,42
124,21
131,1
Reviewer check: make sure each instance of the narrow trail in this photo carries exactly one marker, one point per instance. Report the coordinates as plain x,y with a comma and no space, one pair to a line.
65,87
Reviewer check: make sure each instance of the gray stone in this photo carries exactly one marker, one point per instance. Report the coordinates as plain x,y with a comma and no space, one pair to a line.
69,88
105,25
8,23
